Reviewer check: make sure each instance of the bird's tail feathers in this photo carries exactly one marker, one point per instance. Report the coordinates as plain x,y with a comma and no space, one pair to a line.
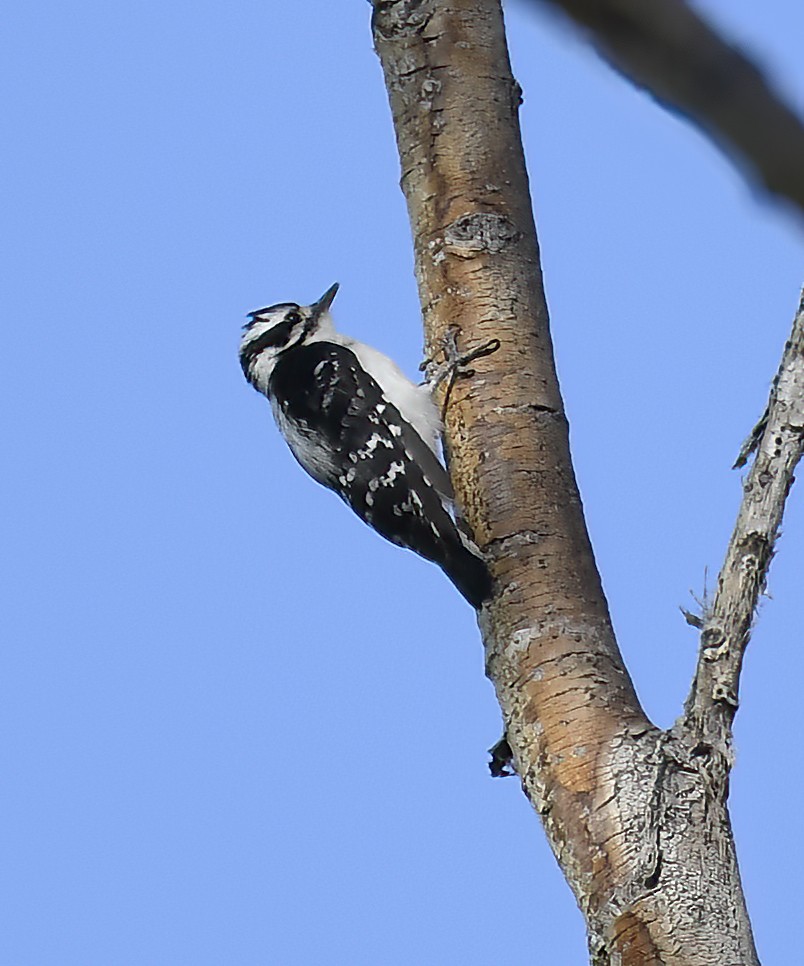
466,568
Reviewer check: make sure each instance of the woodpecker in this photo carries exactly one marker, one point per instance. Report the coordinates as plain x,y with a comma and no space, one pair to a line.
360,427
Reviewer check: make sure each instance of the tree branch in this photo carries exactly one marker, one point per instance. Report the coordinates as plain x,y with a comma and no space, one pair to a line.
668,49
778,441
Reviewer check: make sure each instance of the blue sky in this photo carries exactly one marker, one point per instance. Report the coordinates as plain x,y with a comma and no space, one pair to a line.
237,726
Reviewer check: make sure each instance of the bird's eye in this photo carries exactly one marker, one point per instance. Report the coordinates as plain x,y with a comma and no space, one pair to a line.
293,318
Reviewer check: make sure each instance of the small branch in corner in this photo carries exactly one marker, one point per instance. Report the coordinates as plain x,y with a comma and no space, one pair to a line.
777,442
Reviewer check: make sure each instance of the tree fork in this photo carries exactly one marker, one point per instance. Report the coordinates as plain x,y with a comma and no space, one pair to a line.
635,816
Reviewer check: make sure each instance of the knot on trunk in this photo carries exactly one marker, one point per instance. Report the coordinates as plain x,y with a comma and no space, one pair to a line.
480,231
395,18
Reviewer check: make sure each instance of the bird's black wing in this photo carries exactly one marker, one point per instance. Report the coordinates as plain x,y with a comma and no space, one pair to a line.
351,438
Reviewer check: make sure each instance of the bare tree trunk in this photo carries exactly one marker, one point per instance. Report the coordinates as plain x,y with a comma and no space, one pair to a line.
636,817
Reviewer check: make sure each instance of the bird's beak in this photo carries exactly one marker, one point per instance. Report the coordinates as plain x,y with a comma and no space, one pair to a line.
323,304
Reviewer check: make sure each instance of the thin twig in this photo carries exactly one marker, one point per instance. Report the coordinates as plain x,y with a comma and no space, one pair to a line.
726,630
668,49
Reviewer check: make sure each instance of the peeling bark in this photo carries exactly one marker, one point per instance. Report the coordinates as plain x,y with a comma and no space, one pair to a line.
635,816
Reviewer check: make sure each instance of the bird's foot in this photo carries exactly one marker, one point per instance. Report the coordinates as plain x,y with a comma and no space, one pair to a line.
456,363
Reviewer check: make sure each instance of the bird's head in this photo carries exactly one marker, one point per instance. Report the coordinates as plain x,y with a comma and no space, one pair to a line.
273,330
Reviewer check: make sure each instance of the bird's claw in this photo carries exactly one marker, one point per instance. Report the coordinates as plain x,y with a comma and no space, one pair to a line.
456,362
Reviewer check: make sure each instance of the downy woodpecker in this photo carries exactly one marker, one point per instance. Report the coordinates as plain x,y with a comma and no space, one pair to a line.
358,425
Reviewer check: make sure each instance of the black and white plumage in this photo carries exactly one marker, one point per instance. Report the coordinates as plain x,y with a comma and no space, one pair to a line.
358,425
